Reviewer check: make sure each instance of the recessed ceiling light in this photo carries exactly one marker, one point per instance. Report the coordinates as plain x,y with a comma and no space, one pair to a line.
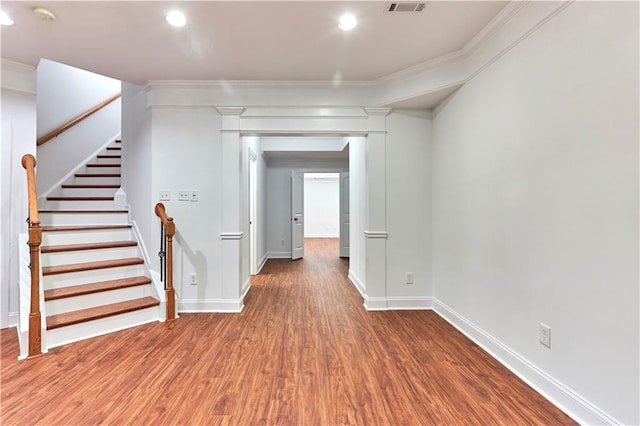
44,14
5,19
176,19
347,22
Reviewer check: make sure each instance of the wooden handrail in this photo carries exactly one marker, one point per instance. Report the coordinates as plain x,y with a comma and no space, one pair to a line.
169,231
76,120
35,239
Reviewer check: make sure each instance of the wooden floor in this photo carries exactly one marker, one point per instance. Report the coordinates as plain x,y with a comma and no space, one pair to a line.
303,352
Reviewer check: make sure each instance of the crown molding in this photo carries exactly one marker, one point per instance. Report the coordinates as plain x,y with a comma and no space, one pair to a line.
203,84
18,77
513,24
379,111
230,110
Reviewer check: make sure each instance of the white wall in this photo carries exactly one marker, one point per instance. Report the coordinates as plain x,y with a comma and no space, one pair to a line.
408,184
535,213
279,201
18,120
321,205
65,92
137,151
186,155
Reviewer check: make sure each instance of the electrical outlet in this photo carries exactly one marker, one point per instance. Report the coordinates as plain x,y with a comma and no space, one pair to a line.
409,277
193,279
183,195
165,195
545,335
193,196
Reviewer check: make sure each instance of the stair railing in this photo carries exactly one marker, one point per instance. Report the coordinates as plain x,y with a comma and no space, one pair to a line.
35,239
66,126
167,231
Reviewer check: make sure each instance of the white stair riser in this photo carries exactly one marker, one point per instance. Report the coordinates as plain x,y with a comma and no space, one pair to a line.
78,205
89,236
77,332
87,192
96,275
68,304
64,219
108,160
97,181
105,170
82,256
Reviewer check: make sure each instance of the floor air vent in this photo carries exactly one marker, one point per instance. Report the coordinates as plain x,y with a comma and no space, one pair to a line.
406,6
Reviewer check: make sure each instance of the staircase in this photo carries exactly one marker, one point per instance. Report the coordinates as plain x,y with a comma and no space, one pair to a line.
94,277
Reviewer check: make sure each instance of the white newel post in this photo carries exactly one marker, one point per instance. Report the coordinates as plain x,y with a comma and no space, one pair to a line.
231,204
376,218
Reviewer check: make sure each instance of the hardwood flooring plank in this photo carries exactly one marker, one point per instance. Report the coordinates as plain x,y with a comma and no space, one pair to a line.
304,351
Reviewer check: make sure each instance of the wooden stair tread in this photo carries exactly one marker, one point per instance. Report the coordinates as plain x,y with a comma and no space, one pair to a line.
80,198
79,290
103,165
87,246
82,211
118,141
76,317
89,266
83,228
114,148
98,175
109,156
73,186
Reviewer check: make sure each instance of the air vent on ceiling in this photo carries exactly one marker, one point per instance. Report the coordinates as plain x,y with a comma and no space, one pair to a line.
406,6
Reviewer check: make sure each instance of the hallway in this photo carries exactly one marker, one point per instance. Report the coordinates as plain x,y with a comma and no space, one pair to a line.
304,351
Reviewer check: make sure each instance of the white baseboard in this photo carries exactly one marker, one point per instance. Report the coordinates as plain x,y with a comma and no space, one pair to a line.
322,236
210,305
356,282
245,289
279,255
262,262
412,303
12,320
558,394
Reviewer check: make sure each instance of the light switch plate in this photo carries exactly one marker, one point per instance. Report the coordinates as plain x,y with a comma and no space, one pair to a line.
193,196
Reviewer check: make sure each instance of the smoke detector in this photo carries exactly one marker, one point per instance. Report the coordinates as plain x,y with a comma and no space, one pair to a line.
44,14
405,6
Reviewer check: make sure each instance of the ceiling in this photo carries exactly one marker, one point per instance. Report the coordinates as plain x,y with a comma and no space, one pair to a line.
240,40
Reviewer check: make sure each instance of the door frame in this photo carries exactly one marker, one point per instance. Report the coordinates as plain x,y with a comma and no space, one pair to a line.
253,214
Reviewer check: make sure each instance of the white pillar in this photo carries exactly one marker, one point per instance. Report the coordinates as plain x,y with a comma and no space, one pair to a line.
376,212
231,207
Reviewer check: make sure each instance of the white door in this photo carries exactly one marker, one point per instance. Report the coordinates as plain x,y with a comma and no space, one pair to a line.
344,214
297,214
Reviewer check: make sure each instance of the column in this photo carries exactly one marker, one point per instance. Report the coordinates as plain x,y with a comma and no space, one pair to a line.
231,229
376,212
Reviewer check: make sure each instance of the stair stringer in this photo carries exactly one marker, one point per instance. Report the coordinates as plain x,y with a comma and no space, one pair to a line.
68,178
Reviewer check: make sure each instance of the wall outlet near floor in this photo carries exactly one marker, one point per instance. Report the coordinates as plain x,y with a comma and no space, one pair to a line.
165,195
193,279
193,195
409,277
183,195
545,335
